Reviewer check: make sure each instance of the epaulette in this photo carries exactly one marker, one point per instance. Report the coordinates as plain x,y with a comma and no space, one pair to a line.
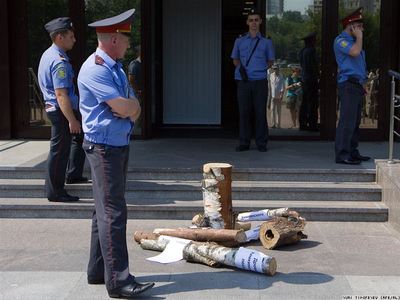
98,60
62,56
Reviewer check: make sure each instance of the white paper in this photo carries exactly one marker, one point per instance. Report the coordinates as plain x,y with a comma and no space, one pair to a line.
253,234
259,215
173,252
251,260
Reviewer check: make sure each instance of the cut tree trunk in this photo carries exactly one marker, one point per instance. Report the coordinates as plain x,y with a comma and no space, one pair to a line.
217,195
222,236
241,258
282,231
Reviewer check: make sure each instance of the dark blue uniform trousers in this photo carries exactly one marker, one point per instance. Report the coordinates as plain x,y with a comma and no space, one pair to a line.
66,156
108,250
347,132
252,100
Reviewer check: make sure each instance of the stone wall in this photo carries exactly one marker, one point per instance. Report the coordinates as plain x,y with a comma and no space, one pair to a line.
388,177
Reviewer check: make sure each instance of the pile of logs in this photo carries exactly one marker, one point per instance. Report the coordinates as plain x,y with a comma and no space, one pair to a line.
217,229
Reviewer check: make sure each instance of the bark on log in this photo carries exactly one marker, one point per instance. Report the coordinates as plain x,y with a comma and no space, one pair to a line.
242,258
200,221
217,195
282,231
142,235
231,236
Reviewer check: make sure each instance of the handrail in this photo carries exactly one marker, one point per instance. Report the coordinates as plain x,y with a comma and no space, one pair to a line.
394,74
394,103
36,101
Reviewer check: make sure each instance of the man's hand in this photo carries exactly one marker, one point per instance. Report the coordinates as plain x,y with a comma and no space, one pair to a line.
357,32
75,127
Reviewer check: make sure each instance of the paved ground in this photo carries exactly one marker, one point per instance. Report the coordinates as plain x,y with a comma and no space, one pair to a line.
46,259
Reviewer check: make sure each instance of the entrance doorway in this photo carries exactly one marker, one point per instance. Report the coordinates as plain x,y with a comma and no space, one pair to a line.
191,62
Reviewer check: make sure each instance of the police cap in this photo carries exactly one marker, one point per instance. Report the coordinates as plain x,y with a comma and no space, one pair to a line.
121,23
355,16
59,24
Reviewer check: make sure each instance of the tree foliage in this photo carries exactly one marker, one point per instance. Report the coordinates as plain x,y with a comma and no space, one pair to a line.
40,12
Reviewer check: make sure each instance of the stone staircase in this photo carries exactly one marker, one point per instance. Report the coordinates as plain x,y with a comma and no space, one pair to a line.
175,193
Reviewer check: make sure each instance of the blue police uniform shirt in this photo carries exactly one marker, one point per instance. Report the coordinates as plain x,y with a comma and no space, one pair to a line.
101,79
55,72
349,66
258,65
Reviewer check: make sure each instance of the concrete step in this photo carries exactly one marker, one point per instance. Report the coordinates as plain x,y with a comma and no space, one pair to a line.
180,190
311,210
248,174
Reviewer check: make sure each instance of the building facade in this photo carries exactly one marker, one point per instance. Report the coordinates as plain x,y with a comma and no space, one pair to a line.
189,88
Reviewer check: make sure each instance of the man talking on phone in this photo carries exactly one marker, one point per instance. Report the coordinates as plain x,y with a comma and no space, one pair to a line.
352,74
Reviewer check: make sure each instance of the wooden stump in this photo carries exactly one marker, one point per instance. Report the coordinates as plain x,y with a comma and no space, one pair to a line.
282,231
217,195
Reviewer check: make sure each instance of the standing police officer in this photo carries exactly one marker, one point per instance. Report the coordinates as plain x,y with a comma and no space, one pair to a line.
56,77
252,54
109,108
308,115
350,58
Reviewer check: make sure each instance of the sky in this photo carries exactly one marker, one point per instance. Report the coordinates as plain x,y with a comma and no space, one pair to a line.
299,5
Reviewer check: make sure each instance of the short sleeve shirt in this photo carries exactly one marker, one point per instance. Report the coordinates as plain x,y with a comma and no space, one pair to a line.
55,72
258,64
348,65
101,79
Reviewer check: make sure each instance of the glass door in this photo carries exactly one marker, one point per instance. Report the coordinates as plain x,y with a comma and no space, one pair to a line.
295,28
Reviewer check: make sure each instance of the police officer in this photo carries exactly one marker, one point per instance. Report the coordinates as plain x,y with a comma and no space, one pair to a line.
350,58
109,108
56,77
308,115
252,54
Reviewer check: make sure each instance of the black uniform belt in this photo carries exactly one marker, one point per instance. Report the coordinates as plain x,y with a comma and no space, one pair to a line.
354,80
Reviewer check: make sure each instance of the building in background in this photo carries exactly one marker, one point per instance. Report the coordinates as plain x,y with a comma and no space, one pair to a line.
274,8
316,7
371,6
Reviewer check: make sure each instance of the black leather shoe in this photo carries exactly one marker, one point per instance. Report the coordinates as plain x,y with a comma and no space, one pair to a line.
76,180
130,290
241,148
95,281
349,161
362,157
262,148
64,198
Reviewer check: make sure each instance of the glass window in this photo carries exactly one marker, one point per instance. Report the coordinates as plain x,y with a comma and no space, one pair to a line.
39,13
294,108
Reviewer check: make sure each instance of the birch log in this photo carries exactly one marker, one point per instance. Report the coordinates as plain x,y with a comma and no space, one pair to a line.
217,195
282,231
241,258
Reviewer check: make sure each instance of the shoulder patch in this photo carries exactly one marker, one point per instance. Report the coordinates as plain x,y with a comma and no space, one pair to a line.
343,43
61,73
98,60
